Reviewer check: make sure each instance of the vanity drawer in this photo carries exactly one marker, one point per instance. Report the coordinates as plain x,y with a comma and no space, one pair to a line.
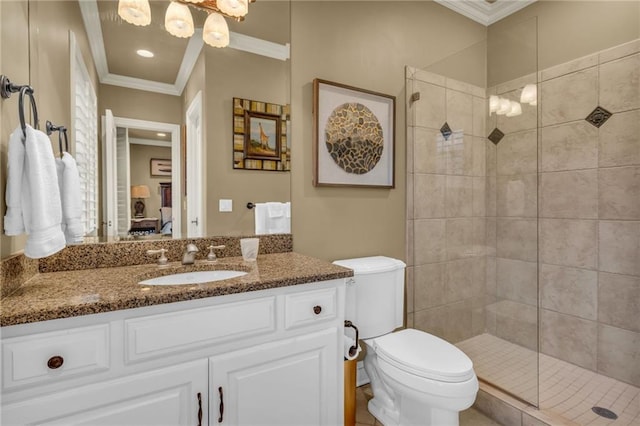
156,335
310,307
45,357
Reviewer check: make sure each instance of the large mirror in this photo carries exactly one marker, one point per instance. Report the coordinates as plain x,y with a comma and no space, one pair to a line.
165,124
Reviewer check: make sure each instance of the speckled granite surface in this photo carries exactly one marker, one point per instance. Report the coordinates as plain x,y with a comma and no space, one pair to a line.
126,253
65,294
15,271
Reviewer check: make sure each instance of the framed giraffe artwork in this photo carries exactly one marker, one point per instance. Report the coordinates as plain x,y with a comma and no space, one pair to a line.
260,136
353,136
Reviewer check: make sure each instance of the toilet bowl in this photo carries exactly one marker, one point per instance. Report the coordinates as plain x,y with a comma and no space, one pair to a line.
416,378
422,379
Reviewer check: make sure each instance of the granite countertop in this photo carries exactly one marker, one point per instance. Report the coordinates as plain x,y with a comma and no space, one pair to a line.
66,294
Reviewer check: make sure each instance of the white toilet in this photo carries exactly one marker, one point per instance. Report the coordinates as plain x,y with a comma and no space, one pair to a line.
416,378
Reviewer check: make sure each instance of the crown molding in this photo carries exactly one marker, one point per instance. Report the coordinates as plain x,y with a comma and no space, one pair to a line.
149,142
258,46
484,12
91,19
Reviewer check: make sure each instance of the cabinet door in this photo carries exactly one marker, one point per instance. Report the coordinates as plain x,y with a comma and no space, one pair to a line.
290,382
162,397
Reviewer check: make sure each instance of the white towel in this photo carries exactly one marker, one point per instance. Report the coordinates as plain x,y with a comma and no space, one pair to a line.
71,200
276,209
41,206
13,221
272,218
261,214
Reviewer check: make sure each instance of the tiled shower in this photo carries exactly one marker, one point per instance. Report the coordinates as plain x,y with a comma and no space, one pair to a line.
524,248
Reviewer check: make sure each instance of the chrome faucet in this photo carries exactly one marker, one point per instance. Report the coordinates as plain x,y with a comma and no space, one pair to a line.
189,256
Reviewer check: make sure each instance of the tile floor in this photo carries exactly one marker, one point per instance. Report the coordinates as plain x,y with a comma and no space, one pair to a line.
565,389
470,417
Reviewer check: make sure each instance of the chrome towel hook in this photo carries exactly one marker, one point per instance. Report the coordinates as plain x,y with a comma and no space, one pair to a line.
7,88
50,128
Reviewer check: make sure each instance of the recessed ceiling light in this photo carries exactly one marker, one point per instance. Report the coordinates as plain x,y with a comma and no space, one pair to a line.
145,53
162,135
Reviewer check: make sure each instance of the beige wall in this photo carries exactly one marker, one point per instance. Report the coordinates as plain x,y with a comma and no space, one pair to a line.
44,64
367,45
566,30
14,63
139,104
140,158
232,73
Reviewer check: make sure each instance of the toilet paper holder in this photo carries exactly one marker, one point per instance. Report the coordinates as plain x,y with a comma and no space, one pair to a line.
353,349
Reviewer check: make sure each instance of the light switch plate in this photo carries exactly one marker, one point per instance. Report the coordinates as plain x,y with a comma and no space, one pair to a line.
225,205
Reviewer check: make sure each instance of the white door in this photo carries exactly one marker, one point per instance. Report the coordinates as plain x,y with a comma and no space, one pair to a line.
290,382
123,181
171,396
110,180
195,194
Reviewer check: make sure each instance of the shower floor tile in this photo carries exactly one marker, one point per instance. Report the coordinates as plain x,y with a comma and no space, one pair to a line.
565,389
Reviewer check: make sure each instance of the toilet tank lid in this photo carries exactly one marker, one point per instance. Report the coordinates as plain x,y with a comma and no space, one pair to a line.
371,265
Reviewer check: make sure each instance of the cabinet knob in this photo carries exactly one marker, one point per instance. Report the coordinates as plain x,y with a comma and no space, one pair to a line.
55,362
317,309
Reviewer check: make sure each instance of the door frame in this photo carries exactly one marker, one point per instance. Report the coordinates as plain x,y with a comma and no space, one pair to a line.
194,155
174,129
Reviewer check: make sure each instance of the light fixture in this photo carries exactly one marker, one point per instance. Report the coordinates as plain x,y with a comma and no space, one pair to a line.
515,110
179,22
162,135
504,106
139,192
529,94
494,104
136,12
235,8
215,32
145,53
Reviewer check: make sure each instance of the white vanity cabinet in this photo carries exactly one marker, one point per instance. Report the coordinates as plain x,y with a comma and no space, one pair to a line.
263,357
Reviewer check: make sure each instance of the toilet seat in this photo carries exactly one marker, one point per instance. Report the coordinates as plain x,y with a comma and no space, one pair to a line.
424,355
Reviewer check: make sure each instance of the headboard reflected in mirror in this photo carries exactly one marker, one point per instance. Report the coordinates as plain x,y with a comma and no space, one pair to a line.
81,57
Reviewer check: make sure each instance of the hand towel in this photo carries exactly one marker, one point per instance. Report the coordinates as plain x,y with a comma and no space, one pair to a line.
71,200
13,220
276,209
278,221
41,205
261,214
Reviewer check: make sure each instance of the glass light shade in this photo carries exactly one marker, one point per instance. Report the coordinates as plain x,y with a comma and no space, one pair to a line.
235,8
505,107
136,12
494,103
529,94
516,109
216,31
178,20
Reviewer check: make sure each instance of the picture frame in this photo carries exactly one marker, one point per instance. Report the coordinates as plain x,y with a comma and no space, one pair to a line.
353,136
160,167
262,136
247,115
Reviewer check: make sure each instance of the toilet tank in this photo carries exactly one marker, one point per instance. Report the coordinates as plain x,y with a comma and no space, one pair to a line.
375,295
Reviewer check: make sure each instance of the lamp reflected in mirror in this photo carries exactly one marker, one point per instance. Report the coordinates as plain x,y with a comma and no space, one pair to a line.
139,193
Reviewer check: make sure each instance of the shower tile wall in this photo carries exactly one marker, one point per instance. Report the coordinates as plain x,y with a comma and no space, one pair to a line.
512,210
550,212
446,223
589,228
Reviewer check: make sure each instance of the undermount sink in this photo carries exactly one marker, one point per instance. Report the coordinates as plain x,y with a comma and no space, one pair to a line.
195,277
